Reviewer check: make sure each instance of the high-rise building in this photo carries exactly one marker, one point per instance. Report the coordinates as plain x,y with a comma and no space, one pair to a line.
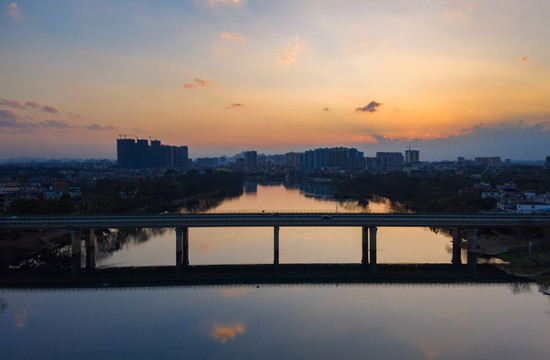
491,161
126,152
389,160
180,156
412,156
155,154
140,155
166,158
340,158
251,159
141,149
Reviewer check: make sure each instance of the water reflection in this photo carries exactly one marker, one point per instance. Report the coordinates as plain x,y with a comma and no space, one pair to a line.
307,321
297,245
223,333
111,240
3,304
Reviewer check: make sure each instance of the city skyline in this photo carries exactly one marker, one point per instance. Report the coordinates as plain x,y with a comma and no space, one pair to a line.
449,78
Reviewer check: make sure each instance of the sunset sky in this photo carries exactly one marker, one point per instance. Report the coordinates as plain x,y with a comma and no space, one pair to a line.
450,78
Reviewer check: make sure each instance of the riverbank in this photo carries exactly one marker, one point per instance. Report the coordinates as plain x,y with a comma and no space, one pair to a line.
515,254
19,245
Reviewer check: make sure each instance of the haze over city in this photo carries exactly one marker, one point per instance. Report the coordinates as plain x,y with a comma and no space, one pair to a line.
450,78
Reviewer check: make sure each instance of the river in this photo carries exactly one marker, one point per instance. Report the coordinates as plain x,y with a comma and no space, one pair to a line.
321,321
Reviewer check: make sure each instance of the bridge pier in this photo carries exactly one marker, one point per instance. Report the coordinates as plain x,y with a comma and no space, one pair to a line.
457,239
182,249
90,250
276,249
179,251
365,245
372,248
76,252
472,249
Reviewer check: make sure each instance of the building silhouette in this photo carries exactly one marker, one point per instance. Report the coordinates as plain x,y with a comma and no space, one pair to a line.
412,156
340,158
388,161
139,154
251,159
491,161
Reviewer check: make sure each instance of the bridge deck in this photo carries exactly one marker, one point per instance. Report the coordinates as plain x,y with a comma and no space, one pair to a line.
275,219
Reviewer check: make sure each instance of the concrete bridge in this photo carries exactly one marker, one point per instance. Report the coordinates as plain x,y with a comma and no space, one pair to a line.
463,227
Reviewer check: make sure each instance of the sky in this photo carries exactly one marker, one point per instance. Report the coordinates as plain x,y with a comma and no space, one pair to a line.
449,78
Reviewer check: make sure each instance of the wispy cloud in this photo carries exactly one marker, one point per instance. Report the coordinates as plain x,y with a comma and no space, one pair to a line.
12,103
227,2
198,82
371,107
453,14
55,124
9,119
32,104
292,49
233,36
458,13
235,106
14,11
12,122
525,58
96,127
49,109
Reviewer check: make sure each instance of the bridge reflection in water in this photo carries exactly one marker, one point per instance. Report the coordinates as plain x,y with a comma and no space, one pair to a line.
212,275
464,229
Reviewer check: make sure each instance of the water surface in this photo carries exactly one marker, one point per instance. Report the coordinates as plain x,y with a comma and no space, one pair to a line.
316,321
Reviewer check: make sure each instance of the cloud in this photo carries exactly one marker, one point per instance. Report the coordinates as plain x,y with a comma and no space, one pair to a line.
224,333
49,109
55,124
32,104
326,108
13,123
9,119
453,14
199,82
14,11
511,139
233,36
233,106
288,55
96,127
524,58
371,107
72,115
226,2
202,82
12,103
